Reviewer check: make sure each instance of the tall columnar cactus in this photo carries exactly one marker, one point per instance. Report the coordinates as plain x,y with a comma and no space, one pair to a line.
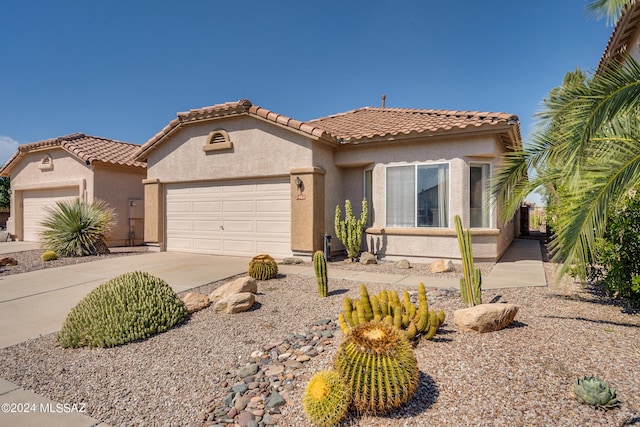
349,231
379,367
386,307
320,268
326,399
471,282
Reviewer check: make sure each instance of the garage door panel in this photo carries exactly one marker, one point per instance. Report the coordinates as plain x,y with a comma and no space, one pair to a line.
35,205
177,206
231,218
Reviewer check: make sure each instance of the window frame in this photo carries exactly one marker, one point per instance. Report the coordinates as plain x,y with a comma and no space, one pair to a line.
415,195
367,193
486,194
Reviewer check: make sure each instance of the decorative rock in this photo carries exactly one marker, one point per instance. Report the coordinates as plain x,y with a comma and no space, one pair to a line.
441,266
235,303
245,371
240,388
245,418
240,285
368,258
275,370
8,261
403,263
195,302
291,261
275,400
485,317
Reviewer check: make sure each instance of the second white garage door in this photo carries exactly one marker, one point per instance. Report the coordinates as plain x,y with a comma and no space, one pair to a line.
243,219
34,211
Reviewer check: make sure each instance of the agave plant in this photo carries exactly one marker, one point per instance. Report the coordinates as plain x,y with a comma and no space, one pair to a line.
77,228
595,392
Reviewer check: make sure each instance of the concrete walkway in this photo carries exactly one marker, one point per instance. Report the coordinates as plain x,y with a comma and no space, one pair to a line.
36,303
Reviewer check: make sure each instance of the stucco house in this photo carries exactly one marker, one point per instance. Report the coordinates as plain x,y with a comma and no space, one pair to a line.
238,179
624,41
76,165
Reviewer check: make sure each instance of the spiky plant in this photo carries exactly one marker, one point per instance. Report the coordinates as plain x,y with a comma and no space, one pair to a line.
471,282
129,307
320,269
77,228
263,267
326,399
595,392
349,231
378,365
49,256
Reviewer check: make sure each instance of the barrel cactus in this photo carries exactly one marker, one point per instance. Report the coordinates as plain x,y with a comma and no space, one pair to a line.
129,307
326,399
49,256
320,269
595,392
379,367
263,267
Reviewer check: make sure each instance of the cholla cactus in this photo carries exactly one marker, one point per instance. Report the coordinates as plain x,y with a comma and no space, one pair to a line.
595,392
129,307
349,231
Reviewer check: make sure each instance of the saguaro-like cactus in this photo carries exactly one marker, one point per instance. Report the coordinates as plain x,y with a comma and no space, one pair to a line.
471,282
320,268
349,231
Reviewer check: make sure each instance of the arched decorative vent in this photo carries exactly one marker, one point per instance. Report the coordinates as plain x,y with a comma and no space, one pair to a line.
46,163
218,140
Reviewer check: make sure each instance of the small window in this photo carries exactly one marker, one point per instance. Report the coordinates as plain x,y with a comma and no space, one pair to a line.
218,140
479,207
368,194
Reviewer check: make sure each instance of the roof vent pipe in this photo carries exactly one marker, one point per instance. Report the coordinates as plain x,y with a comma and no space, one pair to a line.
384,98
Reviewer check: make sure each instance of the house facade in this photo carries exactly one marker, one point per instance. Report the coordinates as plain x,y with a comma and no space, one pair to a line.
71,166
238,179
624,41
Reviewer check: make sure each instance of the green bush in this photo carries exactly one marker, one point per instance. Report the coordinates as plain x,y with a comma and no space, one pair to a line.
49,256
617,259
129,307
77,228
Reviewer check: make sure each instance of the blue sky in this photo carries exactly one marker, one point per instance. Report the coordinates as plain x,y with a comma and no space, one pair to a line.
122,69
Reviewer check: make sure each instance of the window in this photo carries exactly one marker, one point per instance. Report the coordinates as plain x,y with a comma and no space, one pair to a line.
368,192
418,196
479,212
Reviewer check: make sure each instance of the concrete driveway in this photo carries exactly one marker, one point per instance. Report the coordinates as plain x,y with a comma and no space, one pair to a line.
37,303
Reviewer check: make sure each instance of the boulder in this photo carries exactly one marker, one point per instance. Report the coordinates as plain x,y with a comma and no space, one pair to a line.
485,317
292,261
403,263
441,266
8,261
240,285
368,258
235,303
195,302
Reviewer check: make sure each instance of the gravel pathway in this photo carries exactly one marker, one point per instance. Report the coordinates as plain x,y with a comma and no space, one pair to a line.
519,376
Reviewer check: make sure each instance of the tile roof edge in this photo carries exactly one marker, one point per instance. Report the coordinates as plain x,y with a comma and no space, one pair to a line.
629,15
431,111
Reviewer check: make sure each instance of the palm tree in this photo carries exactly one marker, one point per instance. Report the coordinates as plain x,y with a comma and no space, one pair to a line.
610,9
587,151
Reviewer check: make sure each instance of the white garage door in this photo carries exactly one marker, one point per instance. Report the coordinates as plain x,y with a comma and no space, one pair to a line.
243,219
34,203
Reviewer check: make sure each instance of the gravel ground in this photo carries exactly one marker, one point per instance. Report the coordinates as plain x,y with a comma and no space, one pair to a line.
520,376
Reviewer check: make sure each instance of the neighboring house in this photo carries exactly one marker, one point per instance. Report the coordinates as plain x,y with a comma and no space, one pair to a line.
237,179
76,165
625,38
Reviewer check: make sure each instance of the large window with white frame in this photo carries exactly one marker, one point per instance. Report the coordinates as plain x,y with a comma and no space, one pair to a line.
479,207
417,196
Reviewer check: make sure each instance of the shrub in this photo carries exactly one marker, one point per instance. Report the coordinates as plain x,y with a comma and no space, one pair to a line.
77,228
617,258
595,392
129,307
263,267
49,256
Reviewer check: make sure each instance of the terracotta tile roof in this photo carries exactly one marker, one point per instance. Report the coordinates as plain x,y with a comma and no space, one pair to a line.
618,44
353,126
91,149
378,123
242,107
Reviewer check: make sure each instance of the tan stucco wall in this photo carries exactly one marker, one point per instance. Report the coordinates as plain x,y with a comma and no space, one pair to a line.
260,149
307,210
117,186
154,212
27,175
